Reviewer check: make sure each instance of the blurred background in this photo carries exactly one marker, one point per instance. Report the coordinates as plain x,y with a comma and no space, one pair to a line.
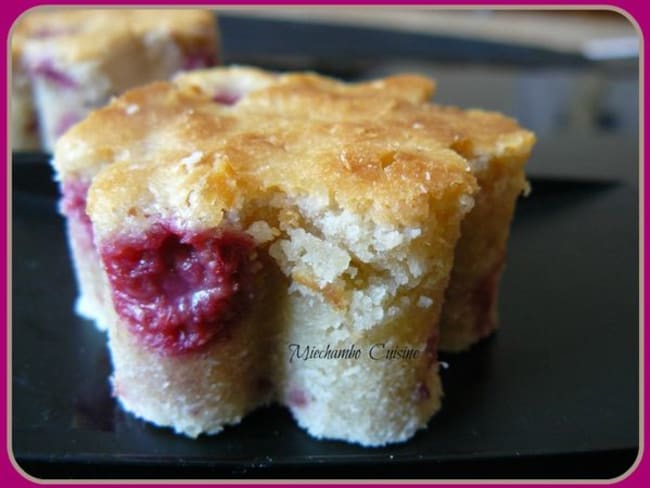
571,76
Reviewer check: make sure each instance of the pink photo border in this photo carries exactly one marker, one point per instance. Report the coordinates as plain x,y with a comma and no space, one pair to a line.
635,11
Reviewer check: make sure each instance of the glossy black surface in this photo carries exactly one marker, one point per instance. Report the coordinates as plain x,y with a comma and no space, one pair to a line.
553,392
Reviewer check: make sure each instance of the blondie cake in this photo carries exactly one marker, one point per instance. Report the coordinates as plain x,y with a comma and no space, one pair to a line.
73,60
495,147
255,238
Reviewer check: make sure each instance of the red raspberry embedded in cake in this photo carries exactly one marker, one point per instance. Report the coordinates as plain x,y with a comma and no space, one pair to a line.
66,121
297,398
179,291
73,206
421,392
48,31
226,97
198,60
45,69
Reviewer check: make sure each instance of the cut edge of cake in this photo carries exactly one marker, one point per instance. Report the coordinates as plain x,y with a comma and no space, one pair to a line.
313,242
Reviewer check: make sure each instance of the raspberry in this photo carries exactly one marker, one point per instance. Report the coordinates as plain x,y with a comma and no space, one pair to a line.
73,206
177,292
46,70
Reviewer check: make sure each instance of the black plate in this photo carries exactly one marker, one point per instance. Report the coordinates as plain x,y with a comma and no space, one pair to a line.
555,393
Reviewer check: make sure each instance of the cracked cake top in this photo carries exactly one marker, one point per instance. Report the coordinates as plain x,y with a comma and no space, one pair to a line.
174,150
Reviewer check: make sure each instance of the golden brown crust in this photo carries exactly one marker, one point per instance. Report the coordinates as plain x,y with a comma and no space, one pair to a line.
85,34
243,154
299,93
373,148
471,133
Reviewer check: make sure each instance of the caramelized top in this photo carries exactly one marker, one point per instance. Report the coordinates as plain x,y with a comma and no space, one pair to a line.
375,148
472,133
